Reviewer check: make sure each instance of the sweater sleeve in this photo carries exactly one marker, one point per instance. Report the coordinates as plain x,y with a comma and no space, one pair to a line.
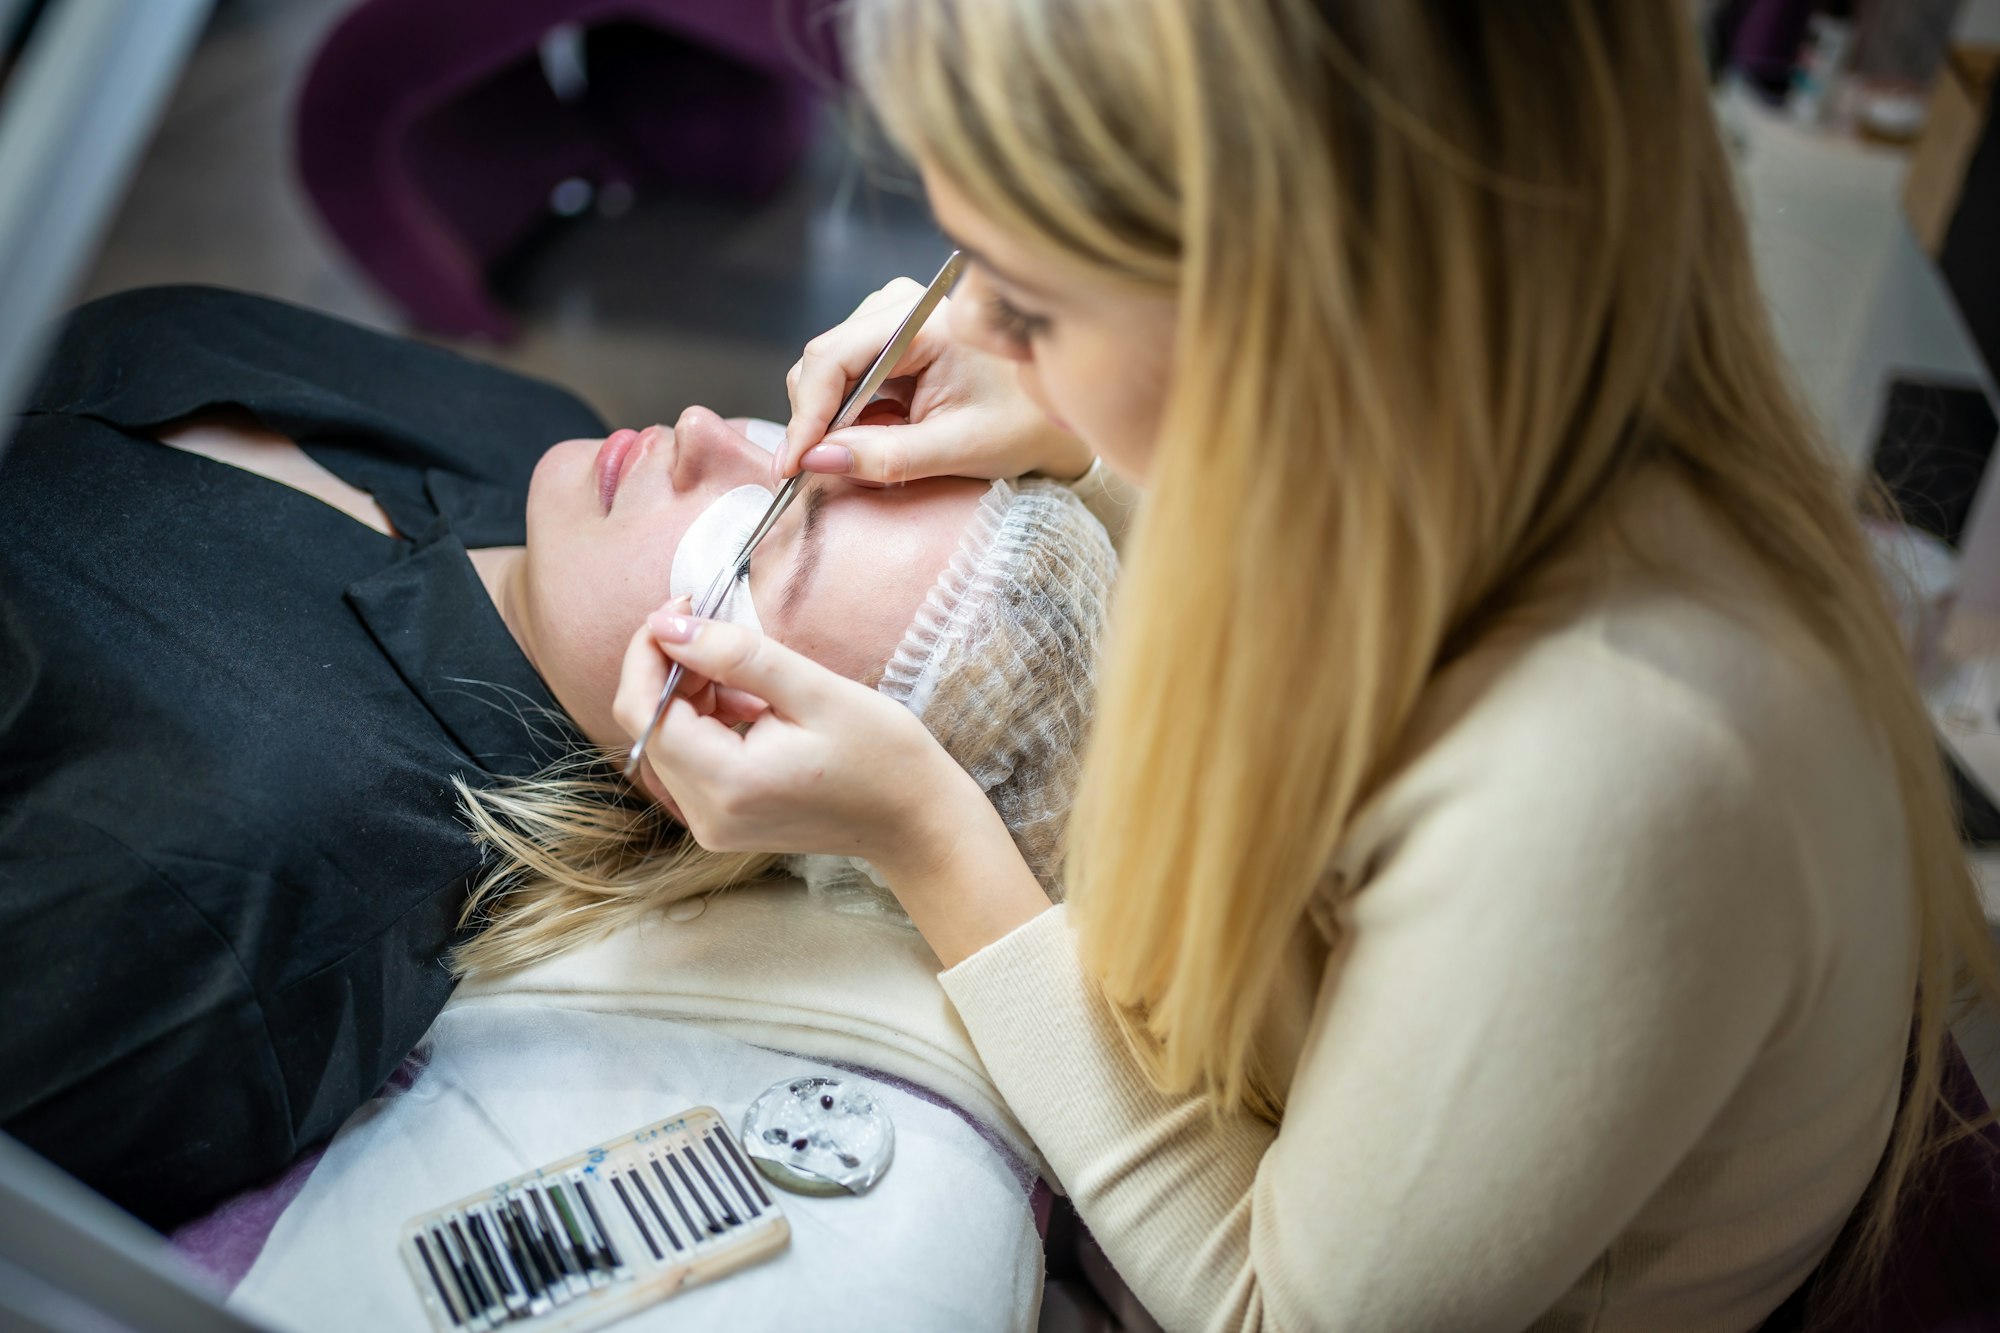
1568,954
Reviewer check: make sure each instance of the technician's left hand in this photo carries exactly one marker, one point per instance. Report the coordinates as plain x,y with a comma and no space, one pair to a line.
826,764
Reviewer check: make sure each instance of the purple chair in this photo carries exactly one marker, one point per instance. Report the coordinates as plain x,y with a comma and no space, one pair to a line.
430,141
1943,1270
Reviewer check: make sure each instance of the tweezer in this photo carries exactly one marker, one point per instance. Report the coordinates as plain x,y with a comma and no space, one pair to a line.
858,397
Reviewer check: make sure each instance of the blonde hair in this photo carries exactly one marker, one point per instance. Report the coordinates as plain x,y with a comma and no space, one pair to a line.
1446,277
574,853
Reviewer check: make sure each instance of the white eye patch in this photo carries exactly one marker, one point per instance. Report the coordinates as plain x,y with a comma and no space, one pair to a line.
766,435
711,542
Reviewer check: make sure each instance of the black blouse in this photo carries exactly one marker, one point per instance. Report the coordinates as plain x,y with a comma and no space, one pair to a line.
230,856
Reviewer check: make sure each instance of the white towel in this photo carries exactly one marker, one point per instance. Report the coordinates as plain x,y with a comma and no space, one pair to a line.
773,965
946,1240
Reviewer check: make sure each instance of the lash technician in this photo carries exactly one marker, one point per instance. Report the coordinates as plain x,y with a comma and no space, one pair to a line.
1512,864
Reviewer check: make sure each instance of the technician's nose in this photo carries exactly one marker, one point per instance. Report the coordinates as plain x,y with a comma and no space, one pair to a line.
709,451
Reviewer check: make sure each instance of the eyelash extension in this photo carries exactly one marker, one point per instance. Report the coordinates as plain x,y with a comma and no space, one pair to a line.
1011,322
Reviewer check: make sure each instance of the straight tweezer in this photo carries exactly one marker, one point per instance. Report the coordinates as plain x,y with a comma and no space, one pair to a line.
858,397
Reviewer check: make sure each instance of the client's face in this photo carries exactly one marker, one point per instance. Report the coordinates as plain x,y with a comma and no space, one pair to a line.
839,579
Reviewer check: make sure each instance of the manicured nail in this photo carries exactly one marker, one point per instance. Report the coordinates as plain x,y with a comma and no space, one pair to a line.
673,629
835,458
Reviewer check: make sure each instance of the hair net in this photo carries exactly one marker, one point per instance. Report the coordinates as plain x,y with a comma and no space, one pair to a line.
1001,666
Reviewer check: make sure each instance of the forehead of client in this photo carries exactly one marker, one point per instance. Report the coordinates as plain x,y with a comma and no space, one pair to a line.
839,579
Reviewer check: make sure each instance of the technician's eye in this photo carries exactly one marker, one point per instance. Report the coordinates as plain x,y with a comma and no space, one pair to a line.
1012,323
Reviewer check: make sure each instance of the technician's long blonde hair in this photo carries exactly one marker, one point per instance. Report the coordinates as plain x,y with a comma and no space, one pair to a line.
1446,274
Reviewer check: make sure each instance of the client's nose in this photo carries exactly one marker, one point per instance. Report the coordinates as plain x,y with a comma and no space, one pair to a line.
710,451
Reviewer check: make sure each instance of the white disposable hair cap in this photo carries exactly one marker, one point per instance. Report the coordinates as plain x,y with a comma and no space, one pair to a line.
1000,664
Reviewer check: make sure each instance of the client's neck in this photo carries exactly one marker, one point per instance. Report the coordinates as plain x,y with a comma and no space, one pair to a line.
499,569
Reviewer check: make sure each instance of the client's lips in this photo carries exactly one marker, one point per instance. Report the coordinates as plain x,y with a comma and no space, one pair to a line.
619,449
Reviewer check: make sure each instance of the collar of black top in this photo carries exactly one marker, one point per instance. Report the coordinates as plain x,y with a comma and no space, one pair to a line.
433,618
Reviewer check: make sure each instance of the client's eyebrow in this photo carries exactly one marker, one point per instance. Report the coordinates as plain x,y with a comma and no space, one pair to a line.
812,541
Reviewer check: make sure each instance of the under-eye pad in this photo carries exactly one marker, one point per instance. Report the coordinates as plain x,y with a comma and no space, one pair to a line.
708,546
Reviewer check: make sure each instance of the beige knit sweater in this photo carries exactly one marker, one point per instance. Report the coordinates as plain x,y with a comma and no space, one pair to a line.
1599,1029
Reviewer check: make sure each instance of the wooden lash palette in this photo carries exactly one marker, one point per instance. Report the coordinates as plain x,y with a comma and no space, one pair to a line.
597,1235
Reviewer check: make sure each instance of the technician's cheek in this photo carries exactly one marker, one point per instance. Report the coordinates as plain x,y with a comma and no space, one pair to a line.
1030,377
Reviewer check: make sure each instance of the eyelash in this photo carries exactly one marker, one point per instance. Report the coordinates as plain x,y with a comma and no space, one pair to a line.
1013,323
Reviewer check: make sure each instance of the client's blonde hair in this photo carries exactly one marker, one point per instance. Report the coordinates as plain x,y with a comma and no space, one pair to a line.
1447,276
574,853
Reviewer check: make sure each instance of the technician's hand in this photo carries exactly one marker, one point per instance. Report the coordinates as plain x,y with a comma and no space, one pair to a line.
828,765
959,411
825,765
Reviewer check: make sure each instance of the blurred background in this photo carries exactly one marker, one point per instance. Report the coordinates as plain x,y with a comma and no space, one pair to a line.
656,202
647,257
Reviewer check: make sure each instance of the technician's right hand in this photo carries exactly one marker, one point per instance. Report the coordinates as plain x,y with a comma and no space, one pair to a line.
964,413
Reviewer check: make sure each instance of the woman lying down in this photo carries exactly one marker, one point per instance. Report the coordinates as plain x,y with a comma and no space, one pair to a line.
310,641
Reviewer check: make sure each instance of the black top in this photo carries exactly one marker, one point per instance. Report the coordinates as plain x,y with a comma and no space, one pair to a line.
230,856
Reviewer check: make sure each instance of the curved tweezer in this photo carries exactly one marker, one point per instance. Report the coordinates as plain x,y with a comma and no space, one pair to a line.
857,398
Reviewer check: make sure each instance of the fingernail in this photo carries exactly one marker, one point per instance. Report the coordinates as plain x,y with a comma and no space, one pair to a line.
673,629
836,458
